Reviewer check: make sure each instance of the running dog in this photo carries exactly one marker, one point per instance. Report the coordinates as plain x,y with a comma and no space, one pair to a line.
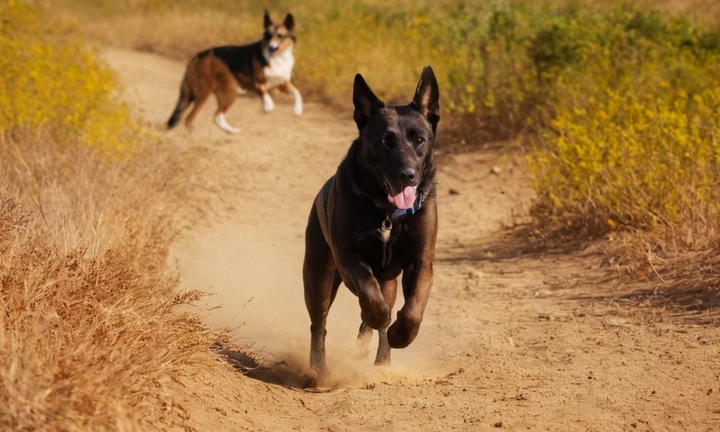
375,219
230,70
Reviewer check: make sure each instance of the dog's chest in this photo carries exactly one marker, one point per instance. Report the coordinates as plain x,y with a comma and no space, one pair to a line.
382,250
279,68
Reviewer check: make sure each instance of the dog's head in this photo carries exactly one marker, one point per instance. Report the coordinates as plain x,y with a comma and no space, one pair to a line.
279,37
397,140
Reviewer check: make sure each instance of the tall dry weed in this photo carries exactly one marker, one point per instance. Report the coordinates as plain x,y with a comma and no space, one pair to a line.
90,328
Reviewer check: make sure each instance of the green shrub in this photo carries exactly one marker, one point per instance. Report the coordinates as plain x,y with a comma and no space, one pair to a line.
621,98
633,139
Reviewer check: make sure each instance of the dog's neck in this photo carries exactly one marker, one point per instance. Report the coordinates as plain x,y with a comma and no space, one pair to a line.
279,62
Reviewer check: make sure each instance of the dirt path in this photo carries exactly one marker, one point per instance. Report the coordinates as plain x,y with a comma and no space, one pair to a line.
510,341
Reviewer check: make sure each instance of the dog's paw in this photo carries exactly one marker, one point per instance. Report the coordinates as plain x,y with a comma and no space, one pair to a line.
402,332
374,312
298,109
224,125
268,104
376,319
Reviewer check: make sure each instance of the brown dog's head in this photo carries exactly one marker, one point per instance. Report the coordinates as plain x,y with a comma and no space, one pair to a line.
278,37
397,140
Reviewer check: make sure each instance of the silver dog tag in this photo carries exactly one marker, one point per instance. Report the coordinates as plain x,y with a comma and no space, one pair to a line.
385,229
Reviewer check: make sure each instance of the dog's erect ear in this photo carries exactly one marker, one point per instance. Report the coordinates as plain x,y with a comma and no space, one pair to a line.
365,101
267,21
289,22
427,96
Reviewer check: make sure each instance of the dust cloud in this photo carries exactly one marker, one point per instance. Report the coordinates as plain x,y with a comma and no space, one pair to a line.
254,277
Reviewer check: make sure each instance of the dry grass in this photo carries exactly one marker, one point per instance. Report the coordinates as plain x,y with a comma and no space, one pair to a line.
91,330
325,64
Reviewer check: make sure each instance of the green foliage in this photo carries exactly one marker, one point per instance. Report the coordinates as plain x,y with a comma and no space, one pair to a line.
50,82
633,139
622,99
632,161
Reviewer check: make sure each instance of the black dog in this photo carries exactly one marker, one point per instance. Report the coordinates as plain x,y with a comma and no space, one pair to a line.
375,218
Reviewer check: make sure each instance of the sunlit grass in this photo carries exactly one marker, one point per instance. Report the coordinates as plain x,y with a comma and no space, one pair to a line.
544,70
90,325
50,81
622,104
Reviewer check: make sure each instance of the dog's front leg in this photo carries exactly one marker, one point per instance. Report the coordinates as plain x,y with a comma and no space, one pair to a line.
358,277
298,108
290,89
268,104
417,284
389,291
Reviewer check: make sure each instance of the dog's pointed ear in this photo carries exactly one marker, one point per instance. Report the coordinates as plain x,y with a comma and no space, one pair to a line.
427,96
365,101
289,22
267,22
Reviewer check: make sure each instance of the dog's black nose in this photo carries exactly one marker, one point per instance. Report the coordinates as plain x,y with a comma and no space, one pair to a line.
407,174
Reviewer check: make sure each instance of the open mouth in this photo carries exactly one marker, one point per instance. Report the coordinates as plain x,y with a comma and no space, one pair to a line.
403,197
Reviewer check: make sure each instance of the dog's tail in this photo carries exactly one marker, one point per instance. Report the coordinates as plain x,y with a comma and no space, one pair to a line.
184,101
177,114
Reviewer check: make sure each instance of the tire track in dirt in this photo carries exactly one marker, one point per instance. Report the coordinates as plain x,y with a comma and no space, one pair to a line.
536,341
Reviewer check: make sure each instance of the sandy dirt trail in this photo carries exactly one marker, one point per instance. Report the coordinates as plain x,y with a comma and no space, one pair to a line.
510,340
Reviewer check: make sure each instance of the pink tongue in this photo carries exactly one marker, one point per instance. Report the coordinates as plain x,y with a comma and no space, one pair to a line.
405,199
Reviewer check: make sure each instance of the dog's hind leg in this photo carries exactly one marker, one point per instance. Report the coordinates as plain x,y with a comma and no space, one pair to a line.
226,95
223,124
363,341
199,102
318,303
321,280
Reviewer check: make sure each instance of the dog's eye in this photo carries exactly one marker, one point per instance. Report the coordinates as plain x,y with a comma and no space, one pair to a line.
419,140
384,142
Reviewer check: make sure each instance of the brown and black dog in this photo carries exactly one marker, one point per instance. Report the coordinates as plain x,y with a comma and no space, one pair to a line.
375,219
227,71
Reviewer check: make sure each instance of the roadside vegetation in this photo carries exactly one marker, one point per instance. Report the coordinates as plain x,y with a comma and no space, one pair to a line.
617,105
91,328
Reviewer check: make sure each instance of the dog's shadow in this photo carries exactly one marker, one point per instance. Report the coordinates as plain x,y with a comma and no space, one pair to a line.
264,367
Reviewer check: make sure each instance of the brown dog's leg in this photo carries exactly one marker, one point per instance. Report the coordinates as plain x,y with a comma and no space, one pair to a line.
321,281
268,104
200,99
290,89
226,93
